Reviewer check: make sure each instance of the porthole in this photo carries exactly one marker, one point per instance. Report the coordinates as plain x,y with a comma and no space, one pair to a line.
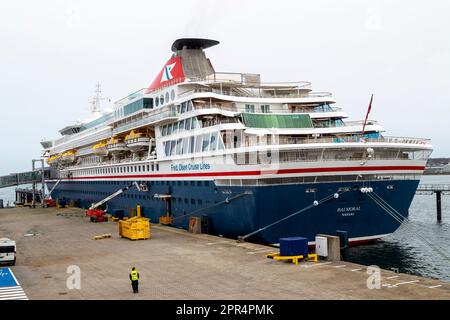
156,101
172,95
167,97
161,99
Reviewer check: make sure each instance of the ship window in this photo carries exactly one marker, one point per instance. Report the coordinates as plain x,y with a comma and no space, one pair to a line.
181,126
200,201
175,127
220,145
132,170
148,167
192,201
139,168
192,144
156,101
167,97
172,94
161,99
169,129
189,105
205,146
194,123
172,147
265,108
153,167
185,145
148,103
213,141
187,124
249,108
166,145
183,107
157,166
135,169
179,145
198,143
164,130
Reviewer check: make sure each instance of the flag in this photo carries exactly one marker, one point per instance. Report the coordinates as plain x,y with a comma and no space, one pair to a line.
367,114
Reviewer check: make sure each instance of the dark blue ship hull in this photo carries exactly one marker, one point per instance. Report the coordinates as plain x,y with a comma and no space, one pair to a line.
252,207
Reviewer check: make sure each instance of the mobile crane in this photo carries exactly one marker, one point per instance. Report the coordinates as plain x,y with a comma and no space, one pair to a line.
98,215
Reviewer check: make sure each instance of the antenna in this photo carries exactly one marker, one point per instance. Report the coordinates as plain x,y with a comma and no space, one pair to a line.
95,101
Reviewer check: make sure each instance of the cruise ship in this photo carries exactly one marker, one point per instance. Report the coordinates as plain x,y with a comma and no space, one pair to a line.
264,159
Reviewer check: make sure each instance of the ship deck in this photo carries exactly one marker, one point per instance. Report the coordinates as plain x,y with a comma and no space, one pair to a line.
175,264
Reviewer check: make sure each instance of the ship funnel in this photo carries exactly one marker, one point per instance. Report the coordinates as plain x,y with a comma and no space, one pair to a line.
188,62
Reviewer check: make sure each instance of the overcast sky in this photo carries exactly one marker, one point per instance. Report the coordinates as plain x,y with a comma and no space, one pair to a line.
53,52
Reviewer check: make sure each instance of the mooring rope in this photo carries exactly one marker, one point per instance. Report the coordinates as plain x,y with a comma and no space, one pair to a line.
227,200
314,204
398,217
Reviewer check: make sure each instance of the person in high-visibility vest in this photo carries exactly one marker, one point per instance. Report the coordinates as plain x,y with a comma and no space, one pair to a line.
134,277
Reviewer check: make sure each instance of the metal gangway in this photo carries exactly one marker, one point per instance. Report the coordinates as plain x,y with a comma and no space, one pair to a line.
38,175
16,179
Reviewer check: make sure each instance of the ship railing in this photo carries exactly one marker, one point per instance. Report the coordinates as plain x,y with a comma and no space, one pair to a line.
255,93
354,139
361,122
230,107
126,100
150,117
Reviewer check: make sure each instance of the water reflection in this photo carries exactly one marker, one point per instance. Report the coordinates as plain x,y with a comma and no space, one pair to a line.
417,247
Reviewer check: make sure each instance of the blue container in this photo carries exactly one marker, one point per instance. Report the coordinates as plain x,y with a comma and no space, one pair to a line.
294,246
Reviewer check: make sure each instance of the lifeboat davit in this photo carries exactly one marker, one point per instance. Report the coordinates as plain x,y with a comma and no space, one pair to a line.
137,141
115,145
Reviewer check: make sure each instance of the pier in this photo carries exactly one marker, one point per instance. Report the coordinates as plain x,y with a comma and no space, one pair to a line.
195,266
438,189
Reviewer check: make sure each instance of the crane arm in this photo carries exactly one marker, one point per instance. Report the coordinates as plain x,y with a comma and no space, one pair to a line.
111,196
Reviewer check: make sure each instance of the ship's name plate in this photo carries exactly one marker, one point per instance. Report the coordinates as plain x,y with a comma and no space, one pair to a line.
348,211
190,166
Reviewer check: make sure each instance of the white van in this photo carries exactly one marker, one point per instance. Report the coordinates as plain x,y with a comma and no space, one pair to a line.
7,251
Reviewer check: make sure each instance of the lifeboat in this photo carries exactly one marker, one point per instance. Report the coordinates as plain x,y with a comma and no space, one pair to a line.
100,149
68,157
115,145
137,141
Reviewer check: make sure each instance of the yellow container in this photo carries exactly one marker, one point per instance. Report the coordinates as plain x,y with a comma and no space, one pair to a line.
136,228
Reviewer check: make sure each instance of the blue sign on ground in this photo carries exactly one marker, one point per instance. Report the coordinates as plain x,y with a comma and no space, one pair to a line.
7,278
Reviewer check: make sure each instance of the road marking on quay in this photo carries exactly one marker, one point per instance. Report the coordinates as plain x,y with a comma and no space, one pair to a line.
437,286
10,289
393,277
405,282
12,293
315,265
341,266
356,269
214,243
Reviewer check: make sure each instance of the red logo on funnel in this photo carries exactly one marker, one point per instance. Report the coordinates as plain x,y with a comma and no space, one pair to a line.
171,73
